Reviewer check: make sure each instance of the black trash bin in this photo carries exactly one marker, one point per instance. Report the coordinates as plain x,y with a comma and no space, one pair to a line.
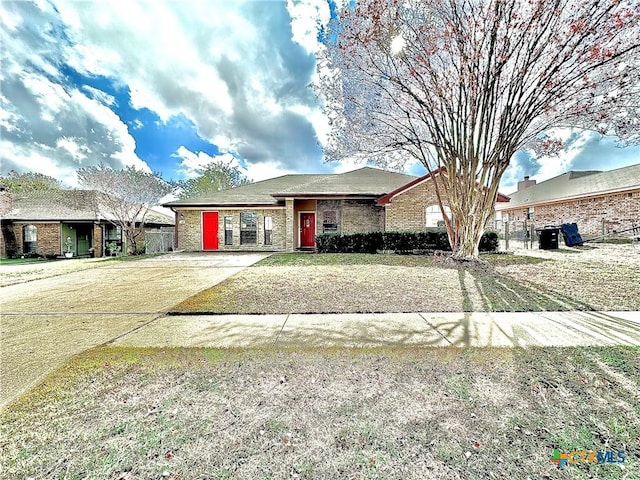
548,238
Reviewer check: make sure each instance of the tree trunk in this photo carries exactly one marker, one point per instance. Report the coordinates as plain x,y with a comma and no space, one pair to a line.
469,236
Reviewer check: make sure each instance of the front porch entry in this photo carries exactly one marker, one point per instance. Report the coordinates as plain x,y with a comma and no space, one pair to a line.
76,238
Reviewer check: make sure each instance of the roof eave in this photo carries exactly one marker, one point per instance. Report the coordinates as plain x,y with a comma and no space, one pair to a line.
220,205
370,195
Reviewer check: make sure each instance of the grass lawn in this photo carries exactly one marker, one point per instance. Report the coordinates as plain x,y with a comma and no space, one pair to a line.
22,261
353,283
119,413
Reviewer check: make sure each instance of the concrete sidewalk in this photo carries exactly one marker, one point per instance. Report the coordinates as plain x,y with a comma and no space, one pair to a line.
500,329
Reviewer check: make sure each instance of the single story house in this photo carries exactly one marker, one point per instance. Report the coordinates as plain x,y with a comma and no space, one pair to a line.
52,222
286,213
599,202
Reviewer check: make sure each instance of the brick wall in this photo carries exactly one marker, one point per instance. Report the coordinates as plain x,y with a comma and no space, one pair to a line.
407,211
351,216
361,216
48,242
97,241
189,229
593,215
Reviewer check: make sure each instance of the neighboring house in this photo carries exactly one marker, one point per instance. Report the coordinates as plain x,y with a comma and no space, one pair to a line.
286,213
53,222
599,202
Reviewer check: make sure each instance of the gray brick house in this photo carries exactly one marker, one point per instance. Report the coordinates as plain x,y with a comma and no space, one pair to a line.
286,213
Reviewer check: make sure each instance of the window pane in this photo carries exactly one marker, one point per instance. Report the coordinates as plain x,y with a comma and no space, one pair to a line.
434,216
268,223
113,232
248,228
30,233
228,230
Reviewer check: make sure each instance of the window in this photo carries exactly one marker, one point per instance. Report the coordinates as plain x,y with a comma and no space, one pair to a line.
112,233
530,212
248,228
112,239
29,239
434,216
268,228
228,230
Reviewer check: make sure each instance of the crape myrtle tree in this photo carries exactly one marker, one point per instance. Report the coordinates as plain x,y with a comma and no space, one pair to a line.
123,197
462,85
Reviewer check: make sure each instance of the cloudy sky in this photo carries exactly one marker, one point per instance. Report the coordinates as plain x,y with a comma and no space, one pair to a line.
170,85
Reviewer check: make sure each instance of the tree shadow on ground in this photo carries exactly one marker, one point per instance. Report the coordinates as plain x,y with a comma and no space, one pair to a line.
500,293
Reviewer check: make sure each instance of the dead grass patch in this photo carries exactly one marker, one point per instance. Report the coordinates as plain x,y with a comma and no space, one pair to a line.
358,283
121,413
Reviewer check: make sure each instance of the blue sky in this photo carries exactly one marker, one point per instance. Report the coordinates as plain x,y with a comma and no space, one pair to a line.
168,86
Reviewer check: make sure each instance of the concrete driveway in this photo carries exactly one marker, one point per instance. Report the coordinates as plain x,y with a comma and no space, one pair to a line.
60,309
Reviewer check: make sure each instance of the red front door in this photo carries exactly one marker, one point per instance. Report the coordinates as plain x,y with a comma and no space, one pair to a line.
209,230
307,229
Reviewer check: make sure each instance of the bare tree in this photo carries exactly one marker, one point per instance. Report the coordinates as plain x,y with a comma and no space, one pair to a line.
124,197
462,85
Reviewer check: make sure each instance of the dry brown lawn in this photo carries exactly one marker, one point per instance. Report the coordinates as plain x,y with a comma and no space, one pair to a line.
354,283
443,413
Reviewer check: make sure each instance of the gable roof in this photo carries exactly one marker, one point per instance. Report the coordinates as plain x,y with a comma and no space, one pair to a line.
366,182
576,184
65,206
386,199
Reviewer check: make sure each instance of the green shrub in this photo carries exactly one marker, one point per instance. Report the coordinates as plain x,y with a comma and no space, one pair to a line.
399,242
488,242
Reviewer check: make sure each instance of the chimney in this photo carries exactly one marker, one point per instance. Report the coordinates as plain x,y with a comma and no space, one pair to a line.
526,183
6,201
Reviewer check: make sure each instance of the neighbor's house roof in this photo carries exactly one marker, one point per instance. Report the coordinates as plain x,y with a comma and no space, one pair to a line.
364,182
574,185
64,206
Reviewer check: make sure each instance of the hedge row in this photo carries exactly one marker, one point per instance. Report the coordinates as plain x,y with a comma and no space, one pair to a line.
399,242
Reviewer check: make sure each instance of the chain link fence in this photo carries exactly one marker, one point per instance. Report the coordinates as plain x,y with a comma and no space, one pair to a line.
158,242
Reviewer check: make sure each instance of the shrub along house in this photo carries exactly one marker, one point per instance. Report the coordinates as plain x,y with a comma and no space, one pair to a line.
52,222
286,213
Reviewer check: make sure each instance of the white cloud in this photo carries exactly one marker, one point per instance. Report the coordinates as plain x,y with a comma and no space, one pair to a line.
265,170
306,17
229,67
192,162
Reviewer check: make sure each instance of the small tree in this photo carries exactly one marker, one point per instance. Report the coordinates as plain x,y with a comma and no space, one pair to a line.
29,182
211,178
462,85
123,197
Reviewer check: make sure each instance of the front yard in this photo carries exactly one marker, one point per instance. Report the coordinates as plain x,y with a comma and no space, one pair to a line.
404,413
354,283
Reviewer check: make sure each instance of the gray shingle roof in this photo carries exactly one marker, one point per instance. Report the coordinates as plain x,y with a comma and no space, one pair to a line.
574,185
64,205
365,181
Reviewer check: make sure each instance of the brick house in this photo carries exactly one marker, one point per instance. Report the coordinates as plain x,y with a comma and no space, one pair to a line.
50,223
599,202
286,213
